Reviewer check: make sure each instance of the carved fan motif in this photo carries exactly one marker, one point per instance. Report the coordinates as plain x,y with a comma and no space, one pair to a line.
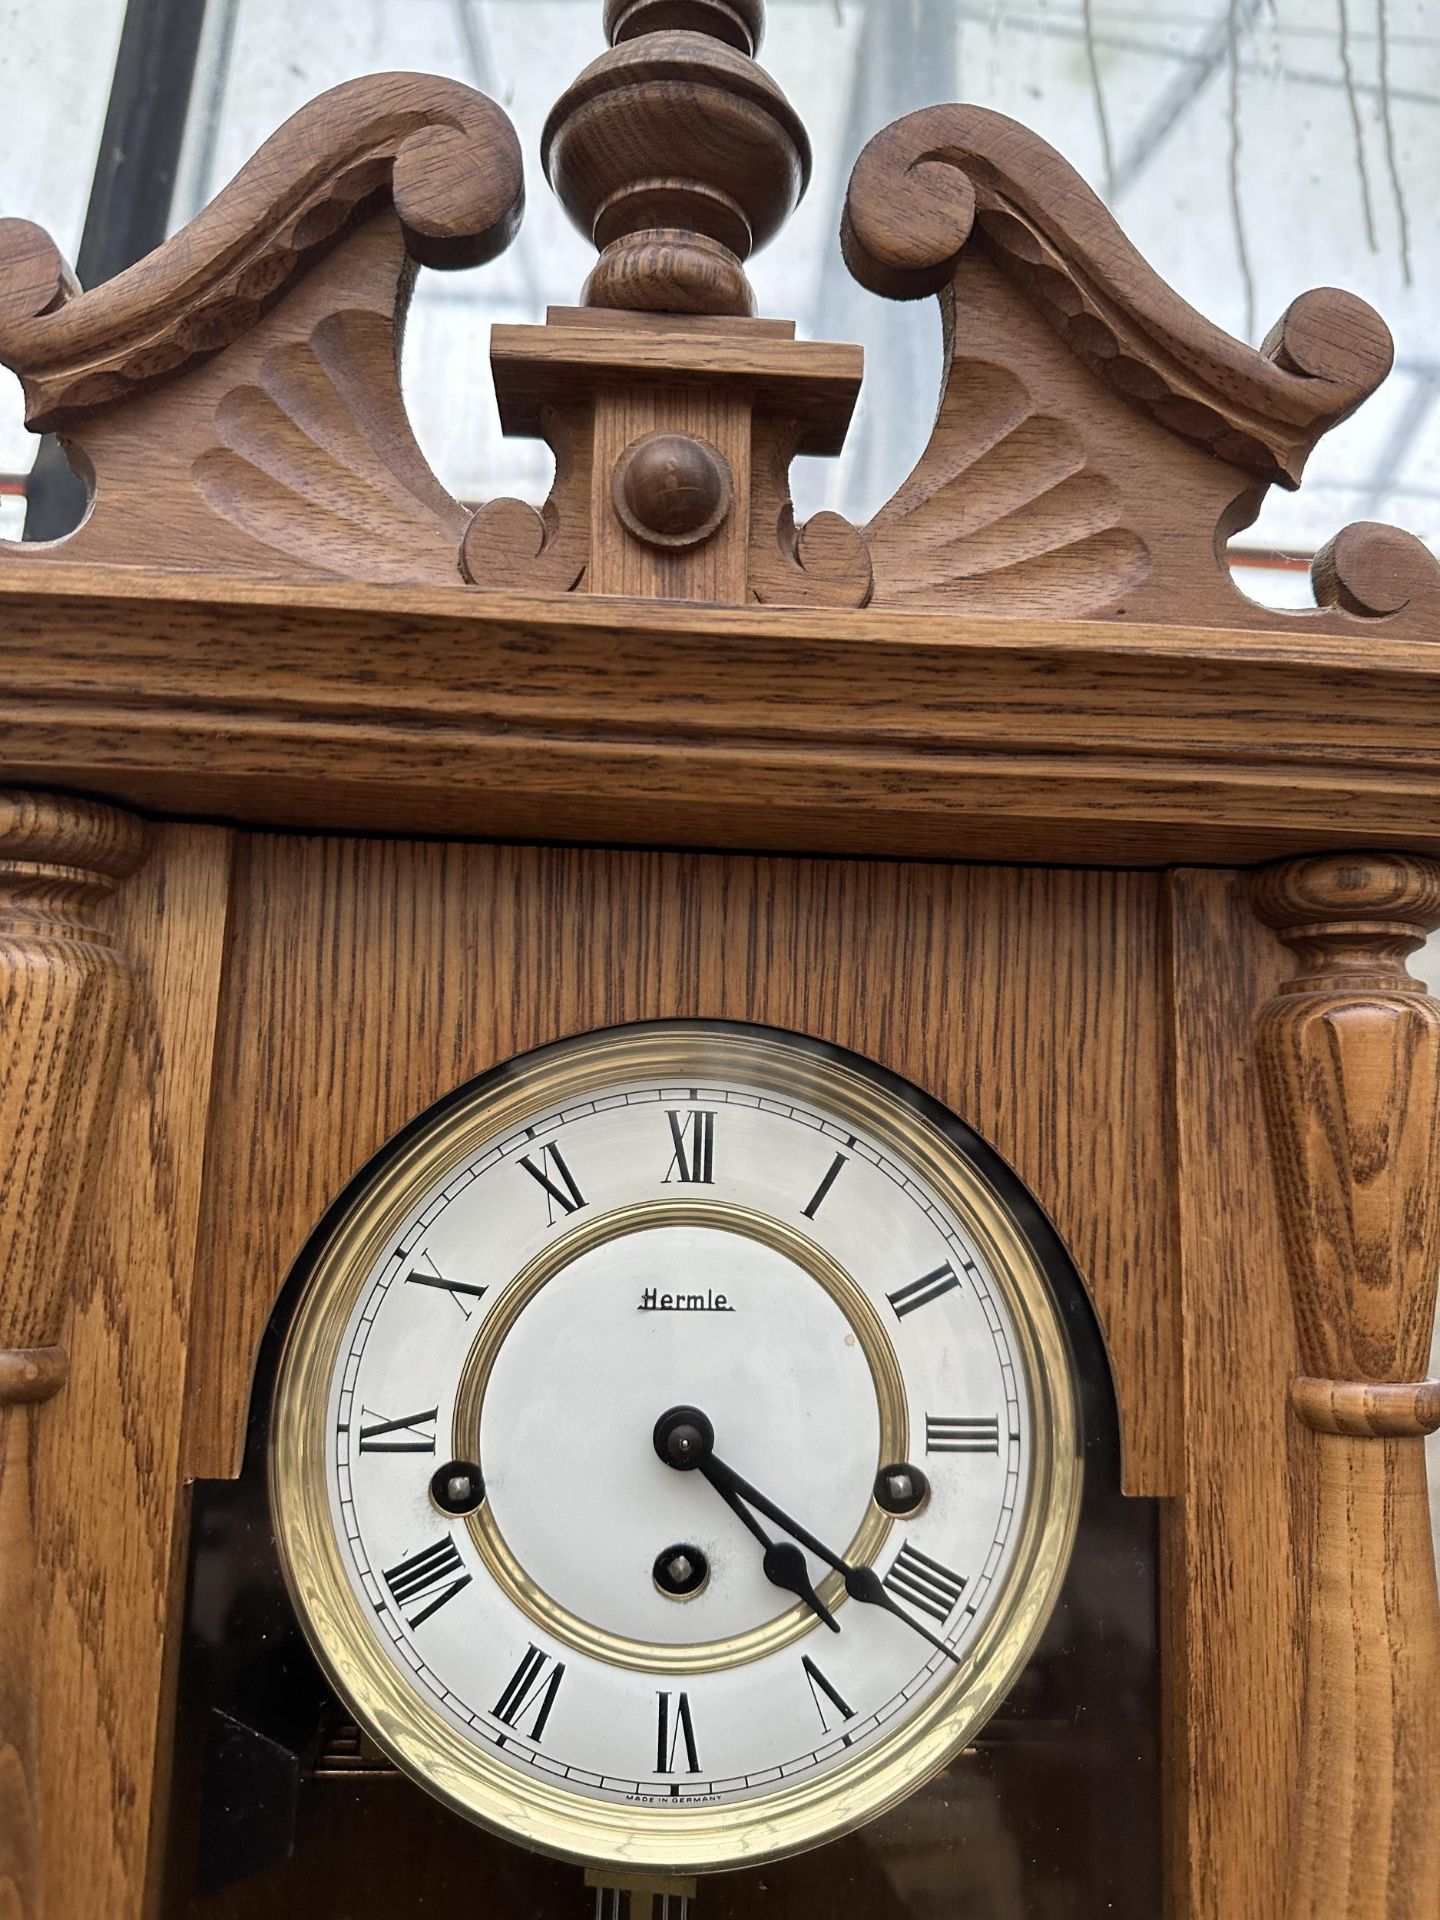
235,395
1008,500
294,466
1098,441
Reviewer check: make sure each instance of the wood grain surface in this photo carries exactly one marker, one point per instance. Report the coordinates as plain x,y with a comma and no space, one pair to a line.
64,993
235,395
1349,1052
677,156
1365,1841
276,616
107,1455
1237,1561
1098,440
952,179
362,145
591,383
1030,1003
715,570
438,711
814,382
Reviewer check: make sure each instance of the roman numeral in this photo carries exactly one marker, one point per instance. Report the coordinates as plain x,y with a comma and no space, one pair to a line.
694,1138
919,1293
924,1583
423,1577
529,1688
561,1190
831,1176
961,1436
674,1728
818,1685
458,1290
405,1435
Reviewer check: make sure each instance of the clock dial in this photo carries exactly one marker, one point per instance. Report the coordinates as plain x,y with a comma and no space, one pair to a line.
675,1454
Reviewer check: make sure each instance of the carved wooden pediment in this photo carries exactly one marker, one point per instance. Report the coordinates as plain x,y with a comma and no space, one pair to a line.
234,397
1098,441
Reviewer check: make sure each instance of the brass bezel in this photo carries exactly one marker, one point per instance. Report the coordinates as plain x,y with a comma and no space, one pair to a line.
527,1807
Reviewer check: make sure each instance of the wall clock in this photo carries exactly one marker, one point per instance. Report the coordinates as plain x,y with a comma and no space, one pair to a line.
899,1372
600,1368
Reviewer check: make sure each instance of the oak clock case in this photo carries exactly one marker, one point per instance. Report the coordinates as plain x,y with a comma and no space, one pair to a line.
867,1301
323,792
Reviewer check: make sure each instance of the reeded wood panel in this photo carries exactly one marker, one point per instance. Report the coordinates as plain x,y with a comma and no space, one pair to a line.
366,978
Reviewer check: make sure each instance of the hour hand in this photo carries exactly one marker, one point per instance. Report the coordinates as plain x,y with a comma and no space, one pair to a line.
684,1438
861,1583
784,1566
782,1563
685,1443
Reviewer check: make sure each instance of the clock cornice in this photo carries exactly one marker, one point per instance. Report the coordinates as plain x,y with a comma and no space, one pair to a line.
350,706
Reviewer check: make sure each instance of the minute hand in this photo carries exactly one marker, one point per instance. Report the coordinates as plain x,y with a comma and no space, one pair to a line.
861,1583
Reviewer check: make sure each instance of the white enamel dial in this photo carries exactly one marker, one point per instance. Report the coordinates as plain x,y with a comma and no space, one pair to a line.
599,1655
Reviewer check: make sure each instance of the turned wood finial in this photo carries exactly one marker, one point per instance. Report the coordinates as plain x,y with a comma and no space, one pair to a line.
739,22
677,155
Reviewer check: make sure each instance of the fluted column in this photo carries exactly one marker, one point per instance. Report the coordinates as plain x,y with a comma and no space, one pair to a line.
63,998
1350,1059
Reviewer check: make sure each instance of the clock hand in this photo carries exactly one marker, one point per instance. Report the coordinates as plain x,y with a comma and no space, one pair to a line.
685,1439
681,1437
782,1564
861,1583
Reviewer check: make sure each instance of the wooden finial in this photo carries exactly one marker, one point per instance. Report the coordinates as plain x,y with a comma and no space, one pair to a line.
739,22
677,155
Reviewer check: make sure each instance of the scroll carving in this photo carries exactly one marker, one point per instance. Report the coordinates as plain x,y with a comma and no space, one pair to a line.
511,544
1098,441
1350,1062
235,395
822,563
63,999
1374,570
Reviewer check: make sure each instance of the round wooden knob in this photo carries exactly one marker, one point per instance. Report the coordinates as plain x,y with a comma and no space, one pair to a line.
672,490
1375,570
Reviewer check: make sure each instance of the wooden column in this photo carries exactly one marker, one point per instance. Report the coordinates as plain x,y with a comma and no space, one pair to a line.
63,997
1350,1059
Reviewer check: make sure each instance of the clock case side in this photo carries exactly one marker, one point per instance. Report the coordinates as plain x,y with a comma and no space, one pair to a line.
262,1730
